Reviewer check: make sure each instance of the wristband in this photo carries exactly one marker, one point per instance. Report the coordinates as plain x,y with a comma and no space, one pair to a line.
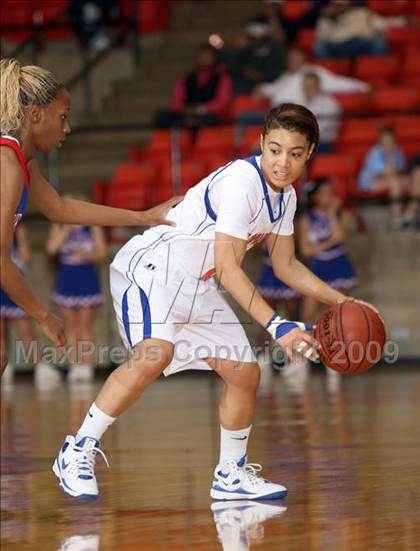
278,327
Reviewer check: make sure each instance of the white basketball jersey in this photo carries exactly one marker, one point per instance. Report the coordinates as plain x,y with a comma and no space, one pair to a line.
235,200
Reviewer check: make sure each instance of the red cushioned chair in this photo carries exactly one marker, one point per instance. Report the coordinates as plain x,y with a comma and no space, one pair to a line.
377,69
342,66
244,103
293,10
387,7
305,39
217,138
355,103
334,165
250,140
396,99
403,37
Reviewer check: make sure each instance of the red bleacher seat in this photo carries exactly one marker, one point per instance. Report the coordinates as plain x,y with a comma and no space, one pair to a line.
217,138
250,140
411,63
55,11
245,103
305,39
207,157
342,66
377,69
127,196
100,191
355,103
131,186
16,12
191,172
333,165
396,99
356,132
134,173
293,10
415,7
161,140
390,7
403,37
217,162
160,145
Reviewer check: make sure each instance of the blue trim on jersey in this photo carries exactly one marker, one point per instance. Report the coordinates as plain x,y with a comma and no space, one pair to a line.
209,208
207,203
125,318
147,320
23,200
253,161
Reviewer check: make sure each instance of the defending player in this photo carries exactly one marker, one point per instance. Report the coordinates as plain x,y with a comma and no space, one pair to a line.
172,315
34,109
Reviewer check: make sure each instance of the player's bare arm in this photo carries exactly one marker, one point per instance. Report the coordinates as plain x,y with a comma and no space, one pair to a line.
12,282
66,210
229,253
295,274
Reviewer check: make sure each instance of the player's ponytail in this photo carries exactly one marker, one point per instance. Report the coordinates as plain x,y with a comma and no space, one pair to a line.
21,87
294,117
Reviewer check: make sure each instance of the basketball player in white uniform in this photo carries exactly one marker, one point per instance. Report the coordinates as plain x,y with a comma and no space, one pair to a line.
172,315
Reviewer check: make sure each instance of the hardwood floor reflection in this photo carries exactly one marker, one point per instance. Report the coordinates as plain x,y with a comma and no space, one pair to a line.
349,454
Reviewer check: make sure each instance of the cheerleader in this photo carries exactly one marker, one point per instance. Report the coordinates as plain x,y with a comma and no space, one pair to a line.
77,290
322,240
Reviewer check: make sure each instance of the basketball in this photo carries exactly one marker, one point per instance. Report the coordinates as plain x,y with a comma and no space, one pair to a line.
352,337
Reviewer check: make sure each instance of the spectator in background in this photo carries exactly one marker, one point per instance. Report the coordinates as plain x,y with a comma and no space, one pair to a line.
91,21
77,290
200,97
289,86
326,109
344,30
261,58
382,171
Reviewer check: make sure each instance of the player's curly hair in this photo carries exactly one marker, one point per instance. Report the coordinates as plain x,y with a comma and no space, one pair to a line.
22,86
295,118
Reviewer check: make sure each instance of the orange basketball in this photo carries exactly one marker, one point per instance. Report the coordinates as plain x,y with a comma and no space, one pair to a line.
352,337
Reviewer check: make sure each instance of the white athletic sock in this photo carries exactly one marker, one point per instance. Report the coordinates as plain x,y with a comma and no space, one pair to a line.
95,424
233,443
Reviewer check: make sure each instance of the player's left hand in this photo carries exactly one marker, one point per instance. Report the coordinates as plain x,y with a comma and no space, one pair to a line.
298,341
157,215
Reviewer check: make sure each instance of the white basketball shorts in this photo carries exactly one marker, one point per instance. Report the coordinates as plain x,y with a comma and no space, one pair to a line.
193,315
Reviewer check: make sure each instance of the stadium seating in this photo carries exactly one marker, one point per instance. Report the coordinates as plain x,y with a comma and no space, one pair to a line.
377,69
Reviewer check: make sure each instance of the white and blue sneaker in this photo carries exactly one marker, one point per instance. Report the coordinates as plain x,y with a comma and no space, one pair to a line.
81,543
239,480
74,467
239,524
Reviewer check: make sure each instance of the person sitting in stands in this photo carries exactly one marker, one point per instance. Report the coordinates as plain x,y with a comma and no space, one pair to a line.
201,97
344,30
289,87
382,171
326,109
260,59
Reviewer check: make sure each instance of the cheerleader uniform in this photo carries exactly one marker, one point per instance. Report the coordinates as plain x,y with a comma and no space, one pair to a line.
8,309
332,265
77,283
272,288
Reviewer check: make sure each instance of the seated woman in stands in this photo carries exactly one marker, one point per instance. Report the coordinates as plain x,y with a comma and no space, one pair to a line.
383,171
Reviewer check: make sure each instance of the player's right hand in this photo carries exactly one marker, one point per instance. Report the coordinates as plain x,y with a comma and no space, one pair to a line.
53,329
298,341
157,215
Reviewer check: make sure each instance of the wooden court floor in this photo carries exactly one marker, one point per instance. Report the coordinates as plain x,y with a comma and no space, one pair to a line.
350,456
